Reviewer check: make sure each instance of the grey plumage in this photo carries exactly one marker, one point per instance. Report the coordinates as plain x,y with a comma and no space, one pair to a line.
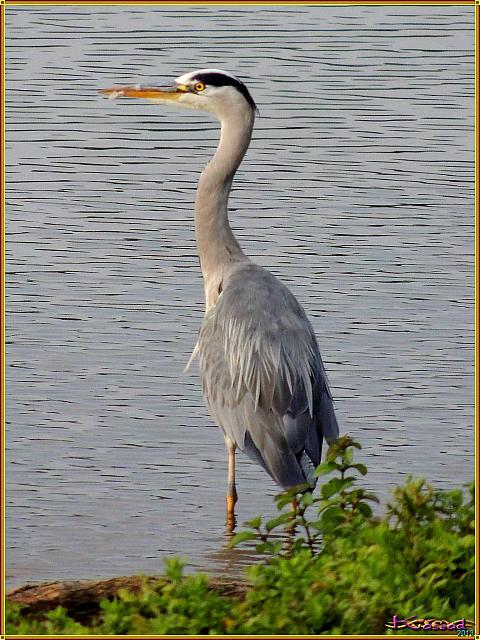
263,377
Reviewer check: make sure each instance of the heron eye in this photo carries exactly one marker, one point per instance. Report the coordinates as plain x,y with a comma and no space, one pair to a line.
200,86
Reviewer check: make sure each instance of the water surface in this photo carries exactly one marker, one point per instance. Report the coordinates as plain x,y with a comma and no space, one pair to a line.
357,191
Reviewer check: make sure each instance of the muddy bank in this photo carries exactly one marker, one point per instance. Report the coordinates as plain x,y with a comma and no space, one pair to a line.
81,598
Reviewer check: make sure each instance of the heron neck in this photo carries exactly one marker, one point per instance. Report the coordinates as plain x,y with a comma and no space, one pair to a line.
217,246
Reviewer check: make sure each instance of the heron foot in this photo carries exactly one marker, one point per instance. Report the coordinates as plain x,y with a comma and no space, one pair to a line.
231,501
231,520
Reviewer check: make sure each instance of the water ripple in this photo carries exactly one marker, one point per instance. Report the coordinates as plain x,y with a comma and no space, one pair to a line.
357,191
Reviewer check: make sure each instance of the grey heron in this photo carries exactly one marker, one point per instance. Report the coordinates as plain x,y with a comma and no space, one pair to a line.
262,374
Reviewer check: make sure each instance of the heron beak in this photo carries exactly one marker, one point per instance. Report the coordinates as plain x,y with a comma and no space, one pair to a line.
151,93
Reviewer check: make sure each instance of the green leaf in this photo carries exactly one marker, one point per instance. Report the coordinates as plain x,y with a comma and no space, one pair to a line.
335,485
175,568
242,536
325,467
365,509
255,523
361,468
268,547
306,499
283,499
331,518
326,504
370,496
276,522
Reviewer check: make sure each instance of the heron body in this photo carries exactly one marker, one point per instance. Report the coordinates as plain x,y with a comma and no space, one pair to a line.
263,376
262,373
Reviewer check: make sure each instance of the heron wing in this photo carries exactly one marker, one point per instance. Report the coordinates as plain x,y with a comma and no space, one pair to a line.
263,376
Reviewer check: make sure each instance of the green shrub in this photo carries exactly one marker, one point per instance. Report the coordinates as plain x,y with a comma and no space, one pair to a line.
55,622
177,605
180,605
347,571
333,567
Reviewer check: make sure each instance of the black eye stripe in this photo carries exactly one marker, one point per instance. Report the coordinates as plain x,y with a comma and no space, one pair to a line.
221,80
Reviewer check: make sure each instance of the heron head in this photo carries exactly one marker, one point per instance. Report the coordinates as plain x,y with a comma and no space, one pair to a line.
213,90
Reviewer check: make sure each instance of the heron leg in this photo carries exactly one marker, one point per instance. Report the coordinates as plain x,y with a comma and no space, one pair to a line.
231,488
